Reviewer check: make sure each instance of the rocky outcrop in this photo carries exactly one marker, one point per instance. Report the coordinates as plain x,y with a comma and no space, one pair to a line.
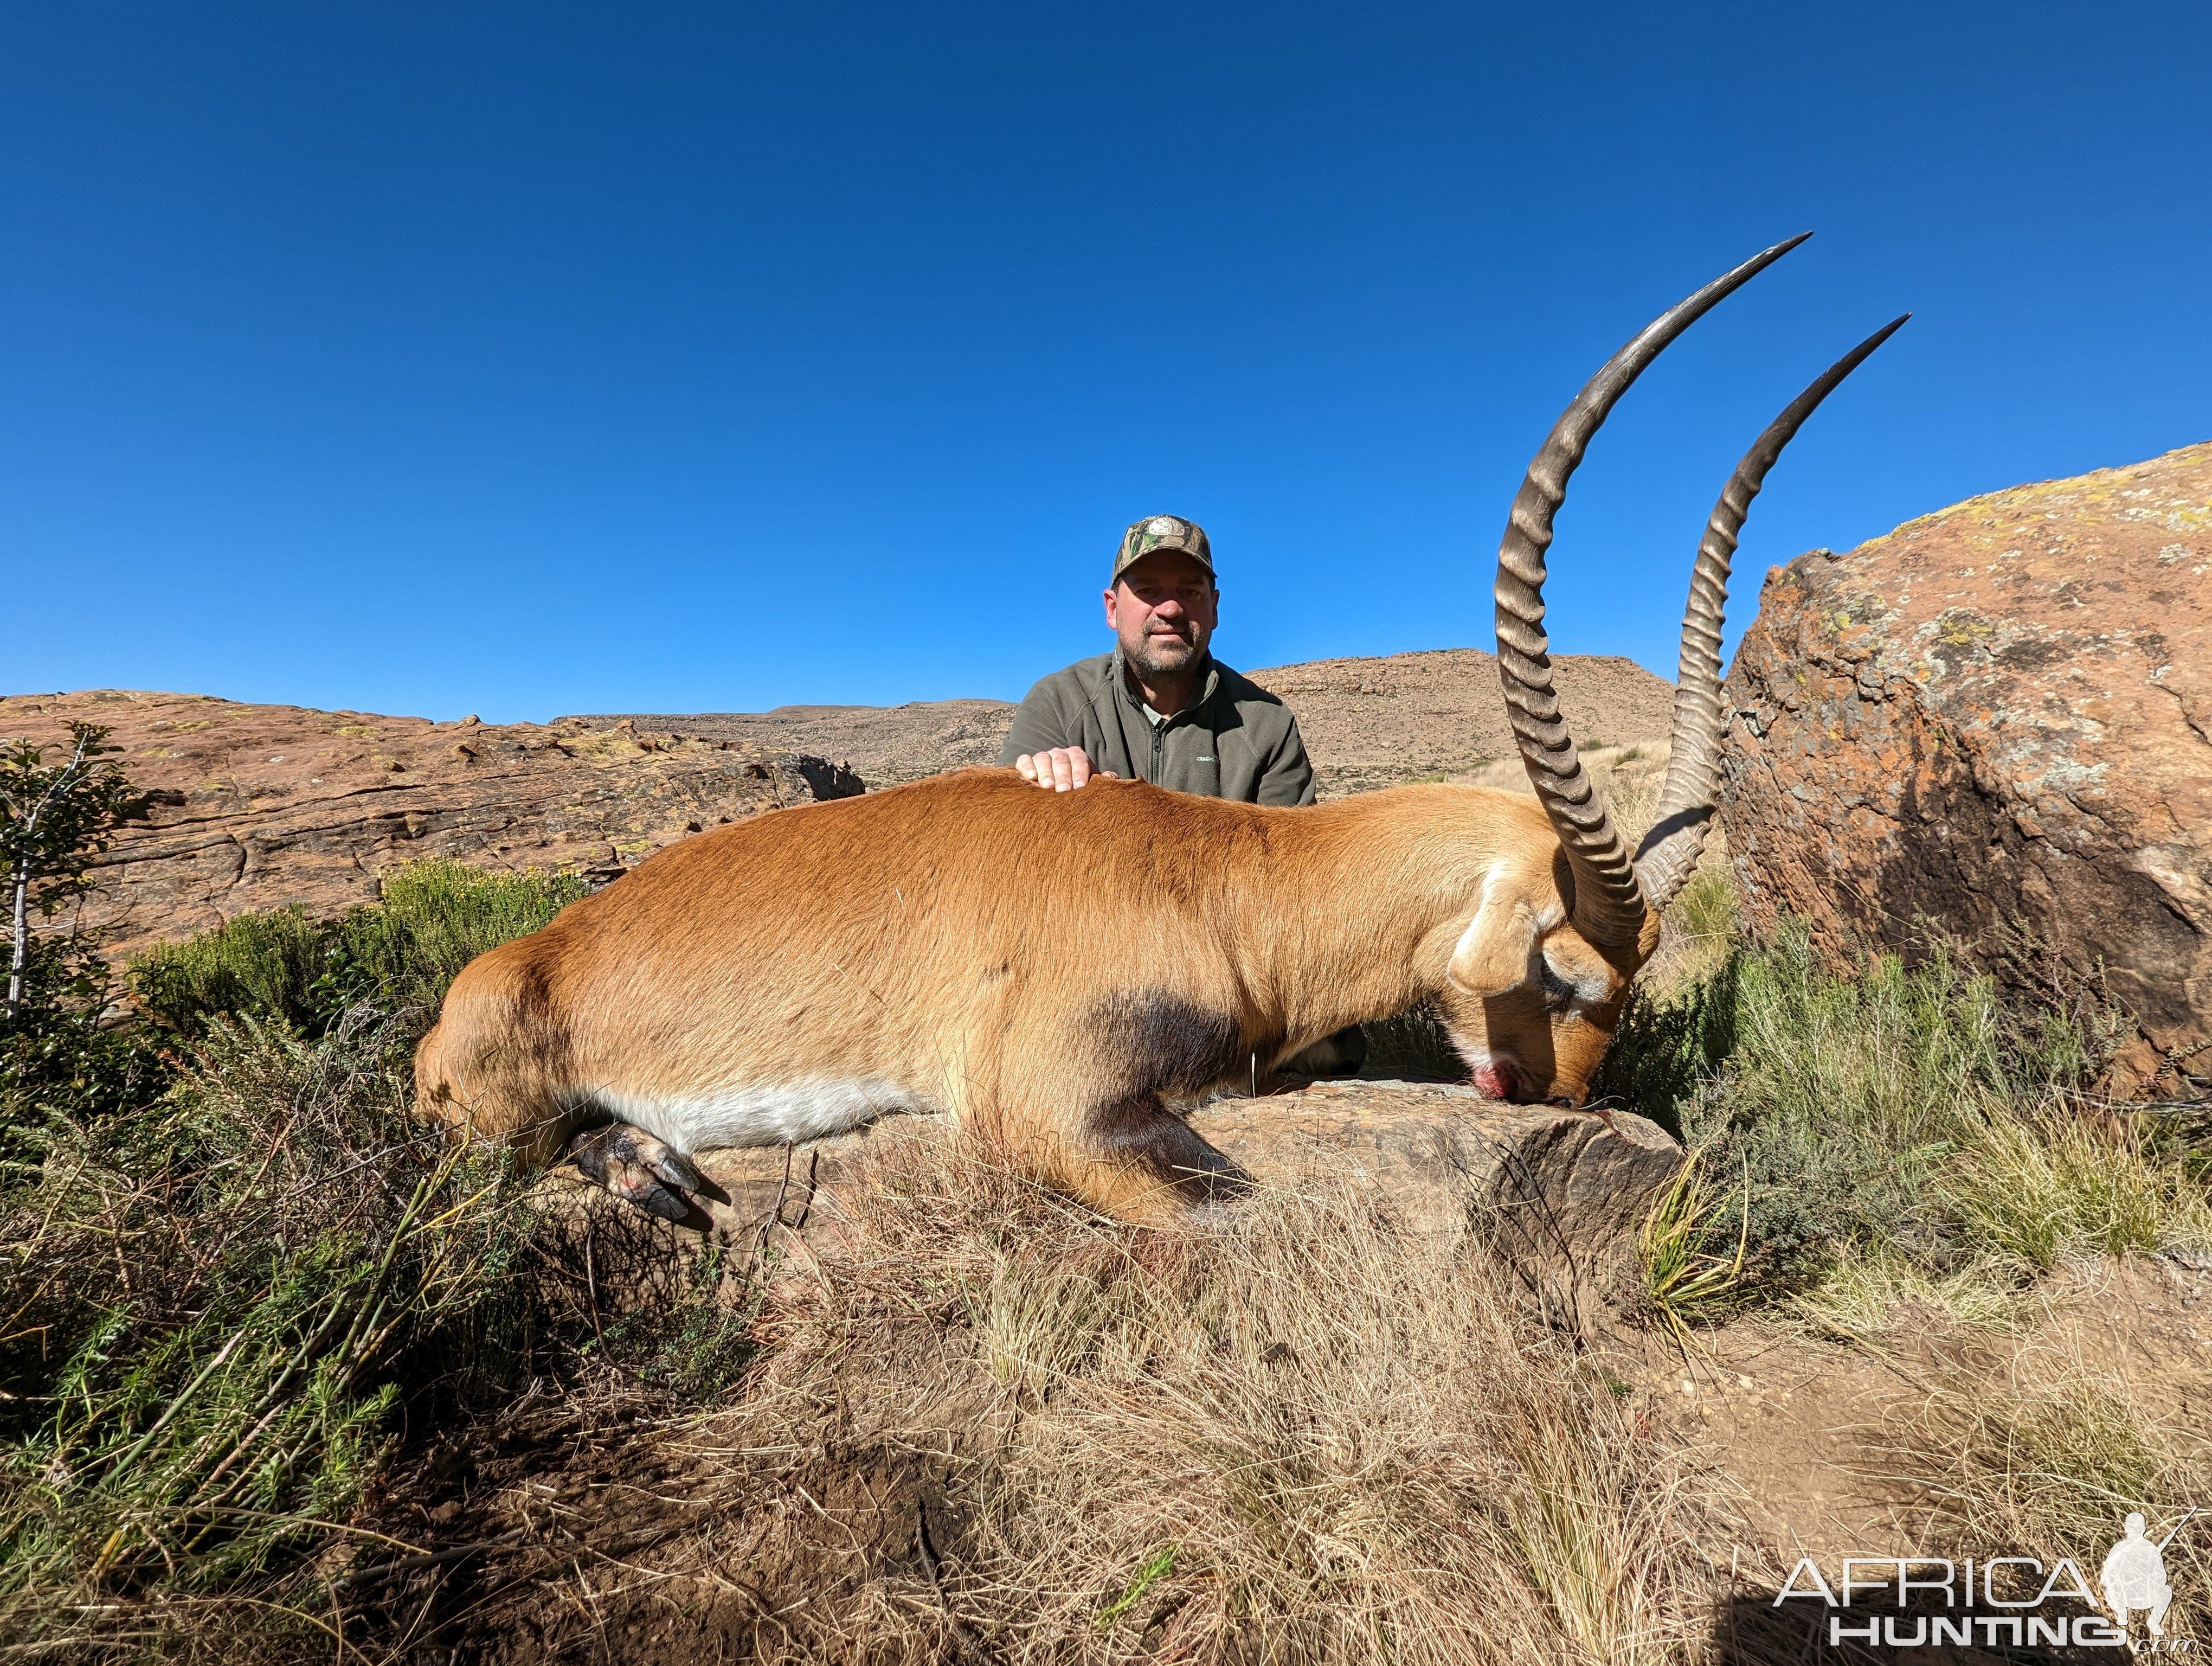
1367,723
244,807
1997,713
1560,1190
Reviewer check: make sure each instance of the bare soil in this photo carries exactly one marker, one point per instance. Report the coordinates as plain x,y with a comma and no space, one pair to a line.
1789,1417
1811,1436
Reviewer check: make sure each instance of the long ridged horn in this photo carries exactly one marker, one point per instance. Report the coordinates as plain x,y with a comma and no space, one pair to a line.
1669,852
1609,905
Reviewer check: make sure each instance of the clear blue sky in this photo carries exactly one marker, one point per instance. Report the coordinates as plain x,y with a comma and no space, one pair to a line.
541,358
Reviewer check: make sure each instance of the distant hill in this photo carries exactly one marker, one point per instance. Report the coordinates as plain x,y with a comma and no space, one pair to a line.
1367,723
248,807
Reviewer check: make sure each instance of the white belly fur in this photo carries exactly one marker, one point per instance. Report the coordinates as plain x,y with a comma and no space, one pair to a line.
759,1115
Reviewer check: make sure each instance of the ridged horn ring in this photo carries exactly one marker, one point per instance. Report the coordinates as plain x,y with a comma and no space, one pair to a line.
1668,854
1609,903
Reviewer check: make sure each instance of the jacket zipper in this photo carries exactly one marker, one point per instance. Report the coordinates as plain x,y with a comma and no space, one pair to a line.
1159,734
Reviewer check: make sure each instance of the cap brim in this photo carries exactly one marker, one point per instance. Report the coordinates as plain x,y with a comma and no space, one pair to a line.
1172,546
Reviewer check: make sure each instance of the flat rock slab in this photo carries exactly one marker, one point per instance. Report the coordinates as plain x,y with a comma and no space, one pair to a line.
1562,1192
249,808
1440,1155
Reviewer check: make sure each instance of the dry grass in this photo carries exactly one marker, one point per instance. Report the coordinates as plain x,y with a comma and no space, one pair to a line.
1870,1295
1301,1437
209,1307
2056,1187
2042,1452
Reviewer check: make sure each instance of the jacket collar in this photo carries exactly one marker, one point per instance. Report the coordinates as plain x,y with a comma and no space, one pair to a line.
1120,674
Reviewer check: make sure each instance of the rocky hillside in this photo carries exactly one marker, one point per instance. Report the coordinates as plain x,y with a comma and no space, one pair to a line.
254,808
1367,723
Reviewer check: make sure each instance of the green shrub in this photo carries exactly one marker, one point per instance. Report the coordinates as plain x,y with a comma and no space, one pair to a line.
59,1054
1907,1117
222,1295
268,963
400,952
221,1298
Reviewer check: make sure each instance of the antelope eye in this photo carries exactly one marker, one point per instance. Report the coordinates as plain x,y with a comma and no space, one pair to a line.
1557,992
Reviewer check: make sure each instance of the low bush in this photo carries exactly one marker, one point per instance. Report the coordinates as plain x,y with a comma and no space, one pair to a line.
226,1291
219,1301
1910,1123
400,952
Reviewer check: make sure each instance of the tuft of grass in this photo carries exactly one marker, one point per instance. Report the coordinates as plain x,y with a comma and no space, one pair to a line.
400,952
1685,1281
2040,1191
2046,1458
1704,925
1863,1293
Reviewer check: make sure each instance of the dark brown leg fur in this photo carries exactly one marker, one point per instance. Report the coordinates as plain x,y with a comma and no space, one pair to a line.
1139,1160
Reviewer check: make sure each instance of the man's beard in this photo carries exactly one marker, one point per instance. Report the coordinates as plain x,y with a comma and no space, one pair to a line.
1168,654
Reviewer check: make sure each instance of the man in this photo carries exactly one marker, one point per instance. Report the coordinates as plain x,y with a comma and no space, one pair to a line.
2134,1576
1160,708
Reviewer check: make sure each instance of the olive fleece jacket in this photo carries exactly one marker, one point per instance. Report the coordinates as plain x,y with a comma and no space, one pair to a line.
1238,742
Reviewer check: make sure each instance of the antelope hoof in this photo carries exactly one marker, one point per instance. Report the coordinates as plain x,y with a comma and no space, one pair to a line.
639,1168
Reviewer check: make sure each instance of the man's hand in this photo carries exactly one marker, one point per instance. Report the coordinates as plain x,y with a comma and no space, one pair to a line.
1063,769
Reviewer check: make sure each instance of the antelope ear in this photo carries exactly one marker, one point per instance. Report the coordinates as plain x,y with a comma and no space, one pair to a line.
1493,952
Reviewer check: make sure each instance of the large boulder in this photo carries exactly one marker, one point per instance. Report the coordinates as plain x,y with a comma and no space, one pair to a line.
1998,715
246,808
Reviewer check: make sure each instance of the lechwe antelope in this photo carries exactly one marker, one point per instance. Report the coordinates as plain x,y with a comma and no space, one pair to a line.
1055,970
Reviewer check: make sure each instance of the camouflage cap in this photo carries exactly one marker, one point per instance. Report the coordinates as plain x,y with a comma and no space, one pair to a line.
1161,532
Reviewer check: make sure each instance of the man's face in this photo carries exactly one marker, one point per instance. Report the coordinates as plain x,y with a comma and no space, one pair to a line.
1163,609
